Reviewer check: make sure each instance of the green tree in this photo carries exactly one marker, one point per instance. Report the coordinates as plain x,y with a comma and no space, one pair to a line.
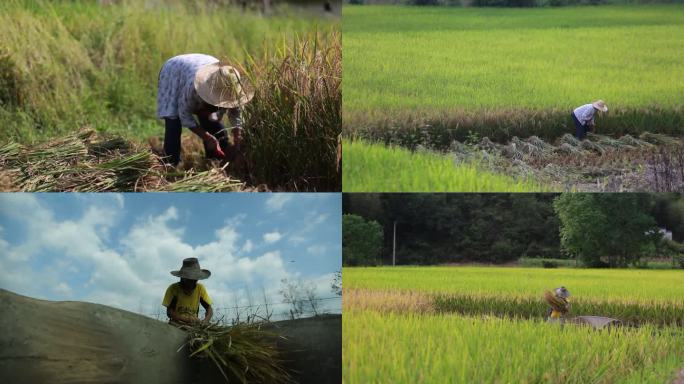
616,226
361,241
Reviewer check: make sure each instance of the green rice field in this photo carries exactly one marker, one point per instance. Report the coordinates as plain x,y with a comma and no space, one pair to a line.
501,80
487,324
411,348
495,67
373,167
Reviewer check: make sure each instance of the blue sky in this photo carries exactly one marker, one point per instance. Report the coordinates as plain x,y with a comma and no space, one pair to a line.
118,249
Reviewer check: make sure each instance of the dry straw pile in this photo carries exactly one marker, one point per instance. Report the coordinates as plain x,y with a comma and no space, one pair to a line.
243,352
86,162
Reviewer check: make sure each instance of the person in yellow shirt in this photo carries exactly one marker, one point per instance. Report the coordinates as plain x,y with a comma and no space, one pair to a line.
182,299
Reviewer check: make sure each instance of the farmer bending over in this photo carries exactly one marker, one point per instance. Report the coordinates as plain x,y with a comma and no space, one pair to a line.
182,299
560,304
583,117
197,84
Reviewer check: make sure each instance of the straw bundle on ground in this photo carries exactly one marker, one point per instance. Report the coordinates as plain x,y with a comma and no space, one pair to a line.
556,303
570,139
592,146
633,141
85,162
243,352
658,139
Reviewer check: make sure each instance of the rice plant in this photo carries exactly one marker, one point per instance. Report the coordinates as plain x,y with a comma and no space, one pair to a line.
369,167
641,286
67,65
415,348
488,324
243,352
510,72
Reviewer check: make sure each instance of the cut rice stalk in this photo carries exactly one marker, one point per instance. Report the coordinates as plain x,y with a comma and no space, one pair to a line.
555,302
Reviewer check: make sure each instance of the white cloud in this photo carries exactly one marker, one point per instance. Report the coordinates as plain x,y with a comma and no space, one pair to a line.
277,200
317,250
247,247
312,221
236,220
63,289
272,237
119,199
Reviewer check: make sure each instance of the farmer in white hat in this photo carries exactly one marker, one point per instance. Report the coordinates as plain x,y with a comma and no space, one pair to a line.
583,117
182,299
196,84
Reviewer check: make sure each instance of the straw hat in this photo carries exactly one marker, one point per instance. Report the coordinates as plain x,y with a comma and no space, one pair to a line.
191,270
600,105
220,85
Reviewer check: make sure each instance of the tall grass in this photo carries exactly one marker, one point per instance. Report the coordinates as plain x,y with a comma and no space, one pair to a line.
376,168
294,121
511,72
70,64
414,348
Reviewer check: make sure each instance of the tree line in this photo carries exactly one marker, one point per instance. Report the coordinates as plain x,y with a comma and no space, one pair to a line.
598,230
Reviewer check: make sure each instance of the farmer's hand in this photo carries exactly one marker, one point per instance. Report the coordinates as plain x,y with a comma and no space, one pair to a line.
237,137
211,142
190,319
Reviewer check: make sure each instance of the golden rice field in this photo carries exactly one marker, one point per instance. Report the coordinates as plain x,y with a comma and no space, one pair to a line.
479,324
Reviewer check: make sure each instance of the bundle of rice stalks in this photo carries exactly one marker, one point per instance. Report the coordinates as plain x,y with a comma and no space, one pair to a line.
527,148
542,145
570,140
83,162
555,302
607,141
658,139
487,145
512,152
592,146
213,180
243,352
633,141
567,149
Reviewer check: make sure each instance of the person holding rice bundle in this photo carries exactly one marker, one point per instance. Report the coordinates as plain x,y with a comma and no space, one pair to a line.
197,84
182,299
583,117
559,302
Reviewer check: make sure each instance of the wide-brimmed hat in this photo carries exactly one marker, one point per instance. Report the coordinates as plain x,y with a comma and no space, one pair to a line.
600,105
221,85
191,270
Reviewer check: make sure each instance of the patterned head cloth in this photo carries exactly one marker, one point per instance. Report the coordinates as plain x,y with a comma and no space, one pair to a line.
562,292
